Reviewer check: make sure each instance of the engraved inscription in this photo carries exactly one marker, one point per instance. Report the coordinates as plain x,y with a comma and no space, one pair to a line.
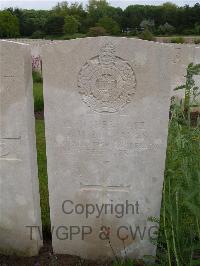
106,82
8,149
7,82
131,137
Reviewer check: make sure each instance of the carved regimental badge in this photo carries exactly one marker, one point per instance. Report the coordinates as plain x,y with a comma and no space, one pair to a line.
106,82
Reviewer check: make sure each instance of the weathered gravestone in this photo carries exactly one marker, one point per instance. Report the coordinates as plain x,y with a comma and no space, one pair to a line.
106,115
19,190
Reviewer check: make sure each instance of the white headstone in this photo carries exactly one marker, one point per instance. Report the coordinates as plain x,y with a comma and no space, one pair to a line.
19,189
183,56
106,115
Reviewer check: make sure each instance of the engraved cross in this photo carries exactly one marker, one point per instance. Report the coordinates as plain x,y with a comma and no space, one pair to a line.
105,189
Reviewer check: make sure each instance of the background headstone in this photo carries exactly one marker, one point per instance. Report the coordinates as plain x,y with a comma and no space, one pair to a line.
183,56
19,188
106,116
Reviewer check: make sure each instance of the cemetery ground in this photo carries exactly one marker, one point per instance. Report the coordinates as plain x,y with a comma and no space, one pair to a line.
179,235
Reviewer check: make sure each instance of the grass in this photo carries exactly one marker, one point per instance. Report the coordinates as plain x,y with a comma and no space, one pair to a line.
179,237
38,97
179,39
43,179
41,155
38,92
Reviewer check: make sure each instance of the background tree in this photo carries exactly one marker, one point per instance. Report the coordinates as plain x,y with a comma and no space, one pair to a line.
9,25
146,35
71,25
96,31
166,29
55,25
133,16
110,25
35,23
197,29
147,24
61,9
96,10
74,9
31,20
169,13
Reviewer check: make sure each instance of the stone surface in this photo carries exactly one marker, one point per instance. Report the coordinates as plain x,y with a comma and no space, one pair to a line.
19,189
35,45
106,116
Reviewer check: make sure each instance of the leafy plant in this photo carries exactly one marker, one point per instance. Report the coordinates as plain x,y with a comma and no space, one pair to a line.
147,35
191,91
37,35
147,24
38,92
166,29
9,25
71,25
178,40
110,25
38,97
96,31
197,41
178,241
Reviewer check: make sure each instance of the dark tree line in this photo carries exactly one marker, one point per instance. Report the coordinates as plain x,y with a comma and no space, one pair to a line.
99,18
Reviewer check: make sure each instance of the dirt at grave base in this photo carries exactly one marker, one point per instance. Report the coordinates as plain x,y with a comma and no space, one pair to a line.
39,115
47,258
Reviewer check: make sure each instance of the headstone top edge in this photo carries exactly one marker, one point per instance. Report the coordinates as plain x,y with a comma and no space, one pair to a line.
14,42
59,43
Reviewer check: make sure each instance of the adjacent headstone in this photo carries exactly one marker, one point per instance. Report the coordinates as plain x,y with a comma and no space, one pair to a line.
19,189
106,115
183,56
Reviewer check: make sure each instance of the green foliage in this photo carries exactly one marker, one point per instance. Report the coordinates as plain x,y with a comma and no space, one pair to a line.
31,21
178,242
96,10
61,9
179,228
197,29
37,77
41,155
9,25
38,92
38,97
38,34
166,29
197,41
158,19
147,24
55,25
146,35
72,36
96,31
43,179
110,25
71,25
191,91
65,36
179,39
